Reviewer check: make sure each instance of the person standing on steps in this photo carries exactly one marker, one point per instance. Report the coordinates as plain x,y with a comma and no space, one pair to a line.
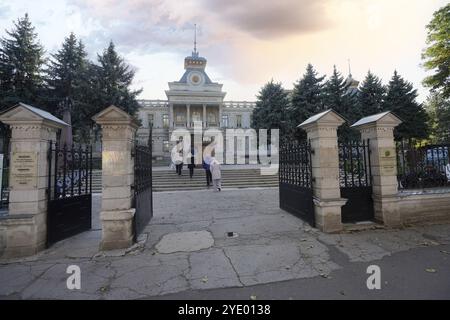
206,162
191,165
177,157
216,174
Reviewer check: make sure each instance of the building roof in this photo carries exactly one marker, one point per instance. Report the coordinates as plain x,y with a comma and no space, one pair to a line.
41,113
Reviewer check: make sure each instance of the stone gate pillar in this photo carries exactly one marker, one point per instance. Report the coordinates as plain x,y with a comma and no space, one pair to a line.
322,134
23,231
118,138
379,130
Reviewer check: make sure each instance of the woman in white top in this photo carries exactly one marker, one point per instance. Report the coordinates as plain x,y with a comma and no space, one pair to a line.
214,166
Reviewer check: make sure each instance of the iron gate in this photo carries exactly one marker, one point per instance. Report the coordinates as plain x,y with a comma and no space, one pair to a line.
295,180
143,197
69,190
356,181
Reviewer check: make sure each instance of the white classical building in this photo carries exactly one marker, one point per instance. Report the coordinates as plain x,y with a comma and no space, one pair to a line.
194,98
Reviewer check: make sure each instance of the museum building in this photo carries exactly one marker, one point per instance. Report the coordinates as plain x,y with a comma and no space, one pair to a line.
194,98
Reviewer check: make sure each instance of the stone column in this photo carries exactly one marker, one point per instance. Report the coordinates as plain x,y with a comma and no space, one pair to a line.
171,119
23,231
118,138
188,115
204,116
220,115
322,134
379,130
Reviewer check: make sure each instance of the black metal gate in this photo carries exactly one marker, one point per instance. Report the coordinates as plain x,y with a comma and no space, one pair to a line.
356,181
143,197
296,194
69,191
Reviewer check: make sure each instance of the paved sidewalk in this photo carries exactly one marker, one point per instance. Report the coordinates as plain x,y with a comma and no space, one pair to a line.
205,240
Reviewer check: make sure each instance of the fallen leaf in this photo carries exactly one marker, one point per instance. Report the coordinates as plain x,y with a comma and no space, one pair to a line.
430,270
205,279
252,297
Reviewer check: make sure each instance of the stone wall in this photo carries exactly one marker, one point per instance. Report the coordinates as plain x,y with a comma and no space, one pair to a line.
424,206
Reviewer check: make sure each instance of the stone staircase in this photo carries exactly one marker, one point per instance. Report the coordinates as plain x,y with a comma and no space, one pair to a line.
168,180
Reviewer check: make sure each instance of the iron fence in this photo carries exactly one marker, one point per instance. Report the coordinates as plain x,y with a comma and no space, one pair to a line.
423,166
354,164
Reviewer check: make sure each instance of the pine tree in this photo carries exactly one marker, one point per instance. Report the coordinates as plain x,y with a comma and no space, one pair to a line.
336,97
306,100
401,100
21,65
270,111
113,78
67,79
370,96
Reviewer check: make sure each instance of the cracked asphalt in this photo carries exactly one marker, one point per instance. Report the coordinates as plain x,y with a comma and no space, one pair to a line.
274,256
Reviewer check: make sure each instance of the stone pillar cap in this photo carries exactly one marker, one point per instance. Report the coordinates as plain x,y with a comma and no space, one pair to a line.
24,113
328,117
386,118
115,115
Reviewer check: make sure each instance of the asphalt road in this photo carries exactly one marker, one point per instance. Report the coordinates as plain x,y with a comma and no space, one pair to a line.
419,273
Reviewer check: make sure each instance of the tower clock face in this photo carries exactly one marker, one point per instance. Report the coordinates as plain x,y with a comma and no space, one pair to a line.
195,78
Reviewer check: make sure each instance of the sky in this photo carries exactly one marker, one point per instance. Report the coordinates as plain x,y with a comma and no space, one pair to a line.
246,42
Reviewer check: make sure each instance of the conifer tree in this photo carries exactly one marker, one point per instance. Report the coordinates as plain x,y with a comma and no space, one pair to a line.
370,96
401,100
270,111
67,75
21,65
336,97
306,100
112,82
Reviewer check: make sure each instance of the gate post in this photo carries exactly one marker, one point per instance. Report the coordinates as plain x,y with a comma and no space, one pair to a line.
23,231
118,136
379,130
322,134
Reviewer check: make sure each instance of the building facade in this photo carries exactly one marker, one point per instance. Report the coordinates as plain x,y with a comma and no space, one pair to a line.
194,98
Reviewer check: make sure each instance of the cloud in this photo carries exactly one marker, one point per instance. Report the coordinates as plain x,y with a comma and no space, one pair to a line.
271,19
156,25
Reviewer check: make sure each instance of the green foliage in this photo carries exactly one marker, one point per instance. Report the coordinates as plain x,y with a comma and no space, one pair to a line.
438,109
370,96
437,54
113,80
336,97
270,111
69,78
21,65
306,100
401,100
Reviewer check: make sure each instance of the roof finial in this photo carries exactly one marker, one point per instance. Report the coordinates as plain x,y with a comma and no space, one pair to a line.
349,68
195,38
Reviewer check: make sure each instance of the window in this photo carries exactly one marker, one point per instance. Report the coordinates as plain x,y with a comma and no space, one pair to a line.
180,119
150,118
196,116
225,121
165,120
166,146
238,121
212,119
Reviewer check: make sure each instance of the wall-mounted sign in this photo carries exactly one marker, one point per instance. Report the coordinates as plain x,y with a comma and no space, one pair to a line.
114,162
23,170
388,162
